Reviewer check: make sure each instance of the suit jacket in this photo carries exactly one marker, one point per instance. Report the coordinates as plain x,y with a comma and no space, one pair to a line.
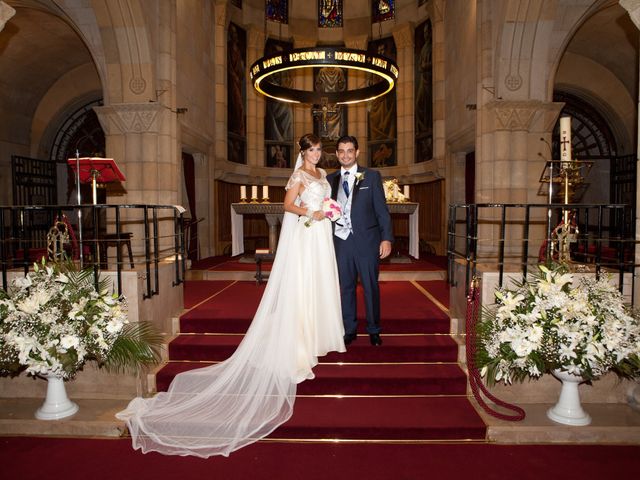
370,217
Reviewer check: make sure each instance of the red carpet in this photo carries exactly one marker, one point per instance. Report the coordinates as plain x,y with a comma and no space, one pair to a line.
411,388
403,307
196,291
74,459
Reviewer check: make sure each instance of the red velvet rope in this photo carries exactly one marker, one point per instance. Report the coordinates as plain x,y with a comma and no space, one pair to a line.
477,387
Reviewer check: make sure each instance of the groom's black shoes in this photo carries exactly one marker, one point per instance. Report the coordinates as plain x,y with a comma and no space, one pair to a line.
350,337
375,339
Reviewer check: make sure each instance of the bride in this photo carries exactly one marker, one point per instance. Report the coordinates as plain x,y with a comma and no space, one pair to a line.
218,409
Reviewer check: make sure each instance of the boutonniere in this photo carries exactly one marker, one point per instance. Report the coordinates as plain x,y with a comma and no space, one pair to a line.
359,177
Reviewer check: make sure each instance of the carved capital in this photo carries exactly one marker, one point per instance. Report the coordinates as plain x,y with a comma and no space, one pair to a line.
403,35
633,7
531,116
119,118
6,12
359,42
255,38
304,42
221,12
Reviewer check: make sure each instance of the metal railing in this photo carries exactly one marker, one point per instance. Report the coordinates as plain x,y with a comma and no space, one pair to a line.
151,234
515,237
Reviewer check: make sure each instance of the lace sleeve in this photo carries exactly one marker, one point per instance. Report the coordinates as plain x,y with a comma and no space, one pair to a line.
296,177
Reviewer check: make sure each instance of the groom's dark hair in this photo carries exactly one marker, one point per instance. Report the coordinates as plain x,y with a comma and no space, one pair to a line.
347,139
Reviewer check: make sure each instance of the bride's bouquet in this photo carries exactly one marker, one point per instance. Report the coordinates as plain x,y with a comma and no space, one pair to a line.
331,209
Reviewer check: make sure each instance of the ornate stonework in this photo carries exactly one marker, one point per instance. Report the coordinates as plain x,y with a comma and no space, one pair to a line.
530,116
403,36
120,118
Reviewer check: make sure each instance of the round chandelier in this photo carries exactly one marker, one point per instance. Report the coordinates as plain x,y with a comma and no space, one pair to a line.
262,74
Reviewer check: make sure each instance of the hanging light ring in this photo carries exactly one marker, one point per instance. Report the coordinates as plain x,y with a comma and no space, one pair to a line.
384,68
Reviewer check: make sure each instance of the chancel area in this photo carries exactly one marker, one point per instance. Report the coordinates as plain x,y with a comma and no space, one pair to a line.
151,141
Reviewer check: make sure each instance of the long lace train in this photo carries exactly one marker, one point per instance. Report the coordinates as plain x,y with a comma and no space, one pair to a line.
218,409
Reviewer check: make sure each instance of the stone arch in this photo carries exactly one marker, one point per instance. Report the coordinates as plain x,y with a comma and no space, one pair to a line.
119,38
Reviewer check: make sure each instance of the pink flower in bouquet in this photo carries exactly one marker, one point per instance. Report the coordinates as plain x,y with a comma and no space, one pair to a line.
331,210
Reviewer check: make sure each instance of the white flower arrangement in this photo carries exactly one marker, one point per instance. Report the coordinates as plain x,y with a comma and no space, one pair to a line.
52,322
548,324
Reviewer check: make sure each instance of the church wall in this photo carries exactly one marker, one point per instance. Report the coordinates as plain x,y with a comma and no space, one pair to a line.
460,69
600,87
76,87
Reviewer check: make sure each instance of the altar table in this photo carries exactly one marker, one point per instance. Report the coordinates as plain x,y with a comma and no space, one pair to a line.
273,213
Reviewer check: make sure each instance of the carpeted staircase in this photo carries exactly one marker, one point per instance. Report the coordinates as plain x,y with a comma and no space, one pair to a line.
409,389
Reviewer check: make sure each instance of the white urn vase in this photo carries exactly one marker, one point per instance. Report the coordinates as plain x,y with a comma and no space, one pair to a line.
568,410
56,404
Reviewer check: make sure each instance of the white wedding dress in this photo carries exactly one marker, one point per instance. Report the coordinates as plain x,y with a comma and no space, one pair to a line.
218,409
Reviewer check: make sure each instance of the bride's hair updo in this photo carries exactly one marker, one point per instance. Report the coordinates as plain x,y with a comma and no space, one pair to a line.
307,141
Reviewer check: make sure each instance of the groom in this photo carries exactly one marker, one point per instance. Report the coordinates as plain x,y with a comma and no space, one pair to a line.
362,236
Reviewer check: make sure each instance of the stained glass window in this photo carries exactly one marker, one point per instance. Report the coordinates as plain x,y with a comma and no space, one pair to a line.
383,10
329,13
277,10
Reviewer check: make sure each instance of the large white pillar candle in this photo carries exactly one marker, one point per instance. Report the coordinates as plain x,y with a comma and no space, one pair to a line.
565,141
254,191
265,191
243,192
406,191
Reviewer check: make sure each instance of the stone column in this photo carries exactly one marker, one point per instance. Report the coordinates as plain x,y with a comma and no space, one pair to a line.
508,166
139,138
403,36
221,15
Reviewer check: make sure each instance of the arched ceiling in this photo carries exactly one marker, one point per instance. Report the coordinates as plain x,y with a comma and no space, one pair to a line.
610,38
36,49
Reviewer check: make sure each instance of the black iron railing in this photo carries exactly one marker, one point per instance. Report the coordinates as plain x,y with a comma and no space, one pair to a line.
515,237
150,233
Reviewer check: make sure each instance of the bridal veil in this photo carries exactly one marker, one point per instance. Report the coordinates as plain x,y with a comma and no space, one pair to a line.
218,409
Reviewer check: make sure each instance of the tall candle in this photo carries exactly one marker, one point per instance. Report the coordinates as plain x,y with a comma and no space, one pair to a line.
406,191
565,141
254,191
243,192
265,191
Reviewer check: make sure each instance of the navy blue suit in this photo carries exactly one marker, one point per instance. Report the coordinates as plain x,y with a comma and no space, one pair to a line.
359,254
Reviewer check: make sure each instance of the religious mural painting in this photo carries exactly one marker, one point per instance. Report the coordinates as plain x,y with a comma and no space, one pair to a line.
277,11
330,13
382,114
382,10
423,92
236,94
278,120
